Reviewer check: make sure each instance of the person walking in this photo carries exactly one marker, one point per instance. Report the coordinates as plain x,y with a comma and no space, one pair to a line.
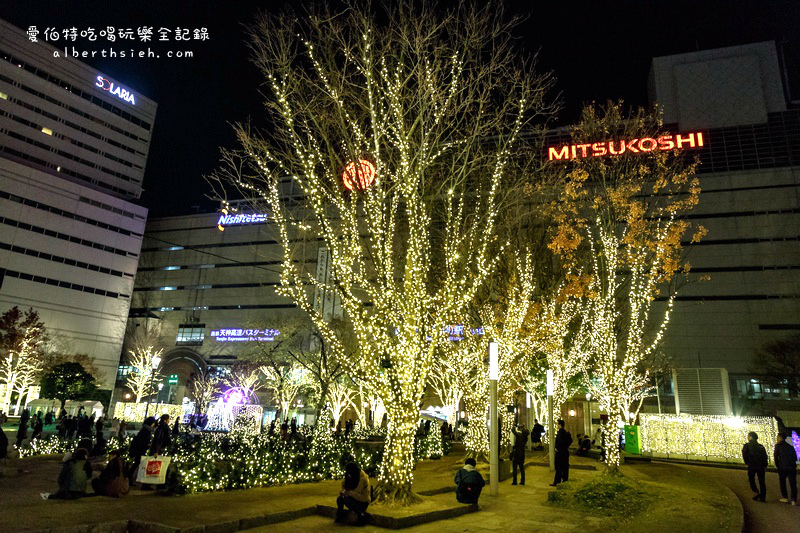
755,457
786,463
562,443
518,453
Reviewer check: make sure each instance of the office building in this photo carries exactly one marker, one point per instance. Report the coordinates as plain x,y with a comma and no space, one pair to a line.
73,149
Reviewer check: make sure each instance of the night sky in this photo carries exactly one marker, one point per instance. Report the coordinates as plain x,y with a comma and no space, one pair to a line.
597,51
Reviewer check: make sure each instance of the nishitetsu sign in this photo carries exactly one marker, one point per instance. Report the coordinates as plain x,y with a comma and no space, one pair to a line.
678,141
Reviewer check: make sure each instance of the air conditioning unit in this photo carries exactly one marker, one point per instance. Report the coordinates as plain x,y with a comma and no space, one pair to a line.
702,391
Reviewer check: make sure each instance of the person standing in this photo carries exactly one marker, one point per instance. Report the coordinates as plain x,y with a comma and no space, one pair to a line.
139,445
562,443
22,432
161,437
518,453
536,434
786,463
755,457
38,426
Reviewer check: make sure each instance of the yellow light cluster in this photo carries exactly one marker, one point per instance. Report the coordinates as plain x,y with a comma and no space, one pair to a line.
134,412
713,438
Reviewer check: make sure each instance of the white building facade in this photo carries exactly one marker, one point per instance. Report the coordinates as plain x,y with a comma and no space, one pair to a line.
73,149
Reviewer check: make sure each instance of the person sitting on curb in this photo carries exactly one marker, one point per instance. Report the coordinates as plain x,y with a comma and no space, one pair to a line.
469,482
112,481
355,494
73,477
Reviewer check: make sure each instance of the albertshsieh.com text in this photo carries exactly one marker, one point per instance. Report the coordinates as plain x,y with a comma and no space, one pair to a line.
119,53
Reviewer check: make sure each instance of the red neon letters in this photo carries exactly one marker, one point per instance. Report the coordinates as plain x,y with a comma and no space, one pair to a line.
619,147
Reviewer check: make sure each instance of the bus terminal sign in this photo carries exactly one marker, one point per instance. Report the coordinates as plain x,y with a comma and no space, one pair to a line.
678,141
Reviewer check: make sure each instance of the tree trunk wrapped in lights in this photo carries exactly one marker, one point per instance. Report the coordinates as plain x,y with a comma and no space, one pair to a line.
394,139
22,336
621,215
143,375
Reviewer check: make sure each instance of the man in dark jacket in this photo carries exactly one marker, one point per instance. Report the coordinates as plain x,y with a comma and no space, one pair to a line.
755,457
518,453
162,437
563,441
786,463
469,482
536,434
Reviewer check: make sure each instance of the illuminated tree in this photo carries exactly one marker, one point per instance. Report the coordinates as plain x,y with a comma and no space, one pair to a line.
203,386
246,374
144,372
622,216
285,381
432,108
341,395
22,336
445,386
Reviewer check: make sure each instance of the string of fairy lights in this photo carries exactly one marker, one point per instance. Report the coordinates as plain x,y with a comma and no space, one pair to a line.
242,459
396,335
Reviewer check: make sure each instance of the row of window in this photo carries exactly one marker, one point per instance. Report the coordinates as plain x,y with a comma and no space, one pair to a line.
65,237
64,284
87,131
89,96
74,126
62,153
206,286
174,248
66,214
142,311
210,265
111,208
67,261
750,240
23,156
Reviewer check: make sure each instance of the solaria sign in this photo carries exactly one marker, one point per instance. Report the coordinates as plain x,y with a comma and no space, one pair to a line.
238,219
678,141
110,87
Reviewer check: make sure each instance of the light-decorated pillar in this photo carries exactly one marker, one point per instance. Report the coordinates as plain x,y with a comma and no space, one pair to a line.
551,432
494,444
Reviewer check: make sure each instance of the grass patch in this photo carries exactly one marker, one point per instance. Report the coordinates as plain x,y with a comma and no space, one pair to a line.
606,493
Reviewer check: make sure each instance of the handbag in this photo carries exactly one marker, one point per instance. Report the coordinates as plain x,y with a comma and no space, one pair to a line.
153,470
118,487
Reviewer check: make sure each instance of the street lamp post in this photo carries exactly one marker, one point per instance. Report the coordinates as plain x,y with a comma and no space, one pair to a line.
155,364
494,444
550,422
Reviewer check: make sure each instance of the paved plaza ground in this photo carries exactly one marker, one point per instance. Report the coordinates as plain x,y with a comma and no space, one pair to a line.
688,501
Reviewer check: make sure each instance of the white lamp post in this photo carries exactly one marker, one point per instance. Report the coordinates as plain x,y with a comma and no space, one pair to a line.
156,363
494,444
550,422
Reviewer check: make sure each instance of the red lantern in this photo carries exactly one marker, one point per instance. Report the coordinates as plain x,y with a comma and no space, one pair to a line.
358,175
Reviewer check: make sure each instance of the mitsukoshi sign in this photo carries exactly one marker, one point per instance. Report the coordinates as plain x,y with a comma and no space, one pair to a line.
678,141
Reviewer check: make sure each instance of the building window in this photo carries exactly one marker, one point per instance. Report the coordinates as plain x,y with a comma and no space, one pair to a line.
123,371
190,334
